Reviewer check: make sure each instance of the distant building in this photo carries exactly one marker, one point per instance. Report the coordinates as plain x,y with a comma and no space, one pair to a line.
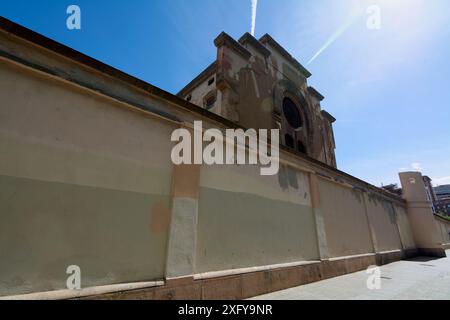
442,203
430,191
442,191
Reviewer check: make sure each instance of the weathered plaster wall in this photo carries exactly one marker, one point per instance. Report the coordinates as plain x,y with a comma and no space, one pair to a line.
404,226
444,227
346,224
246,220
81,183
384,222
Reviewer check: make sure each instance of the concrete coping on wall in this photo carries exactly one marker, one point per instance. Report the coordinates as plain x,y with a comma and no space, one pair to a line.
225,39
226,273
389,252
86,292
356,256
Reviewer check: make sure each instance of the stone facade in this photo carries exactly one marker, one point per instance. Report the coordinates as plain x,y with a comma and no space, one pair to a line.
258,84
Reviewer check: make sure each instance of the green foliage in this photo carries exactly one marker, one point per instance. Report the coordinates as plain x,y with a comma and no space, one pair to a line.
443,216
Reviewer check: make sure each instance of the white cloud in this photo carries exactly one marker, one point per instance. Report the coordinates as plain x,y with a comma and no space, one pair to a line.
441,181
416,166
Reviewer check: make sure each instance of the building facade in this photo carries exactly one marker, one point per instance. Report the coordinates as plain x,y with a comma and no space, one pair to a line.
258,84
442,202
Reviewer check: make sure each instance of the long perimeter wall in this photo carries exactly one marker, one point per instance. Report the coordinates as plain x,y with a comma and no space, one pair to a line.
86,179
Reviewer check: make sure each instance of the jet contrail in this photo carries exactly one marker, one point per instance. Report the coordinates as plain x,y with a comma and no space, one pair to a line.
336,35
254,7
356,14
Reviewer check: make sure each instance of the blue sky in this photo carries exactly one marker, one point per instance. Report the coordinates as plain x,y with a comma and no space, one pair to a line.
389,88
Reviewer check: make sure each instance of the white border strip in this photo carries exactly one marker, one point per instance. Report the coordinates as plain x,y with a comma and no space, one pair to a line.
391,251
353,257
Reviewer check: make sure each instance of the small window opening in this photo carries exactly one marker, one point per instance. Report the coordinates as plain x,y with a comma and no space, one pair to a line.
289,141
189,98
211,81
210,101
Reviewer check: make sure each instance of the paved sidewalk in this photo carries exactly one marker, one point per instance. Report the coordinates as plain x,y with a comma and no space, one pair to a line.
420,278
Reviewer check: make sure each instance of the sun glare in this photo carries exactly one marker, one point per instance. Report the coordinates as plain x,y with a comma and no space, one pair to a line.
402,23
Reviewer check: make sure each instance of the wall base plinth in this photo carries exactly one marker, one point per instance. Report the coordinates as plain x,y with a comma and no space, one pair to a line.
251,284
433,252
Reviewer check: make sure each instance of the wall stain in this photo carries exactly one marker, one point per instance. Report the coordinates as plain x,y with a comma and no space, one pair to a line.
357,195
388,206
287,177
160,218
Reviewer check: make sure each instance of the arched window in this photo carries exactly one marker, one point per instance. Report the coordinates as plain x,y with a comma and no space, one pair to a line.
292,114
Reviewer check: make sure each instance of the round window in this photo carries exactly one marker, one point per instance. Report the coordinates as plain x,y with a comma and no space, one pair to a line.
292,114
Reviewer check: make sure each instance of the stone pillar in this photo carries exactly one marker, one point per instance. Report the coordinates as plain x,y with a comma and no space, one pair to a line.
318,216
425,230
183,224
